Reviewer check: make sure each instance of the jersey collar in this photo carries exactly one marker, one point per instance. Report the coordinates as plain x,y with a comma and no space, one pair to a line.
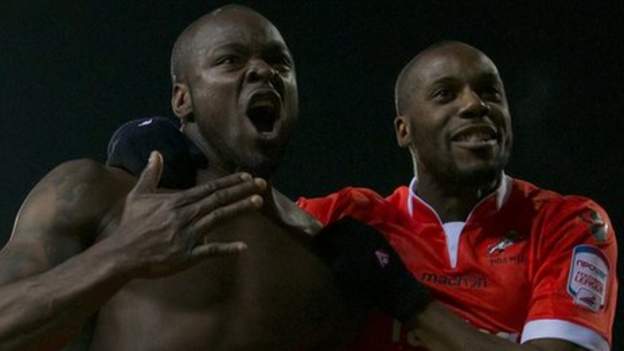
490,204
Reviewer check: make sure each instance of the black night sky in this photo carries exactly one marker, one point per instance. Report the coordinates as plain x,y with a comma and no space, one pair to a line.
74,71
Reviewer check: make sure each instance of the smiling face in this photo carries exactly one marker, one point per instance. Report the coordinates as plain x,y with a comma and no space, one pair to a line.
237,88
453,115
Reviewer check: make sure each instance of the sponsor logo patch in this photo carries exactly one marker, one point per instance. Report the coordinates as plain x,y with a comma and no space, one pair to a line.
469,281
589,273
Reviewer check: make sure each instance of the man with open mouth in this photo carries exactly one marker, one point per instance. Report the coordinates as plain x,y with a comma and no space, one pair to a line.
196,269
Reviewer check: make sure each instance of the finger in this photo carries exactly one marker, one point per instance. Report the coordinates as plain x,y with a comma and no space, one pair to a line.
218,249
195,193
224,197
205,223
150,176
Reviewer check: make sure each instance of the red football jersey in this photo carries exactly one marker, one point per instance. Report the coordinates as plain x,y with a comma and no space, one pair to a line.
528,263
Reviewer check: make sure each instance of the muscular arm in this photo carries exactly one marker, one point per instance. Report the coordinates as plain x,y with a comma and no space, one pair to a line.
47,289
441,330
44,311
50,284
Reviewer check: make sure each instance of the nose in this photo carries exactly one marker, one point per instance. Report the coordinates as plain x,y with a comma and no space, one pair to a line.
472,105
260,70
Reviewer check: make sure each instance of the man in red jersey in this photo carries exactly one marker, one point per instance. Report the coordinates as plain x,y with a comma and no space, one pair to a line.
510,266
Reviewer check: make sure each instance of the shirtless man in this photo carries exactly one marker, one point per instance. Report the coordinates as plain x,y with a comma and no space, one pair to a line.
91,238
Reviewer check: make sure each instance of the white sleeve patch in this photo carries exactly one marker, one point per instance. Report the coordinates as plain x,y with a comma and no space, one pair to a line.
588,277
559,329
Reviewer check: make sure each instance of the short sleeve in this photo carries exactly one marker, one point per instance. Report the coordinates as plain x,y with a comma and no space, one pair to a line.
573,275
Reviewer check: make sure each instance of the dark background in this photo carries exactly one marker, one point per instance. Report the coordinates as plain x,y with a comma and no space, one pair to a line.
72,72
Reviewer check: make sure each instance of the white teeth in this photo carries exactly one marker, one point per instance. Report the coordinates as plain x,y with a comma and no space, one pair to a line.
263,103
475,137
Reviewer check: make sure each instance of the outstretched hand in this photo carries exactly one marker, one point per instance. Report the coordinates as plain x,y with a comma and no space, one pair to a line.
163,233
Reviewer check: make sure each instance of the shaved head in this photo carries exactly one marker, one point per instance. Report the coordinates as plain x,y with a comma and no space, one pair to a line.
224,66
452,114
184,44
404,85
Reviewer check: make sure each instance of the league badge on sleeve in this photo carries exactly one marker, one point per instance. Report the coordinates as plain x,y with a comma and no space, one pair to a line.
589,273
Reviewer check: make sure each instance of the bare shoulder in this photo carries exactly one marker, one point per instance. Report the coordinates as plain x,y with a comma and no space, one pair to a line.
76,192
62,215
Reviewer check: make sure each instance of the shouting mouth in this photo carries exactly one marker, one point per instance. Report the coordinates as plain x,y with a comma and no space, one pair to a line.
263,110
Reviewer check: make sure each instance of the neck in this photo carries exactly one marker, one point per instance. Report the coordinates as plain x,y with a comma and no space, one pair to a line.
218,165
452,202
216,168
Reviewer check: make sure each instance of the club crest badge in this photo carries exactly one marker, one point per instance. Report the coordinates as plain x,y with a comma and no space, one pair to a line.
510,238
588,277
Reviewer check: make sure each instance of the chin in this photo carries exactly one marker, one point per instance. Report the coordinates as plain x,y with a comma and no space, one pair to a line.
481,174
478,176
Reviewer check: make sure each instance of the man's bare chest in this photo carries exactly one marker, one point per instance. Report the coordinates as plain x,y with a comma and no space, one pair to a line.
276,295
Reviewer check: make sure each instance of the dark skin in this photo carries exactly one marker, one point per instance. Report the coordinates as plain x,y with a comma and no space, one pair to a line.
53,279
90,238
239,69
457,128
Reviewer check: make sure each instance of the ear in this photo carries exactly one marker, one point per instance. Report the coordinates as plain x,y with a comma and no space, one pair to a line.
181,102
402,131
